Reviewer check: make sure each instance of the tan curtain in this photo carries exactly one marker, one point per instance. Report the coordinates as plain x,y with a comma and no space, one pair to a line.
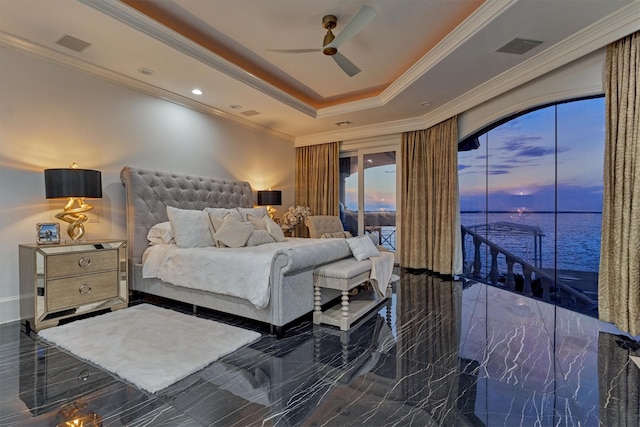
619,279
317,176
430,216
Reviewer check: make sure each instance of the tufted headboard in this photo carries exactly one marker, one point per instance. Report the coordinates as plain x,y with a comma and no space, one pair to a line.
149,192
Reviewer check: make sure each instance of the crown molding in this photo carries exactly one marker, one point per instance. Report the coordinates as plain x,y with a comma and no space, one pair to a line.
350,107
21,45
376,130
134,19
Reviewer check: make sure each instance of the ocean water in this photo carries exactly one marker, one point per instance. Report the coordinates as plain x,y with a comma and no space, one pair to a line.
571,241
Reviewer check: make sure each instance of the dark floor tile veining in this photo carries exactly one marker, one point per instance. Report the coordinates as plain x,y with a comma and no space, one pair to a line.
438,353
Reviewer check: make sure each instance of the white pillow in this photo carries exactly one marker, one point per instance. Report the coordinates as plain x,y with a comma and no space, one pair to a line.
190,228
215,222
258,223
273,229
266,223
222,212
259,237
254,212
362,247
233,233
160,233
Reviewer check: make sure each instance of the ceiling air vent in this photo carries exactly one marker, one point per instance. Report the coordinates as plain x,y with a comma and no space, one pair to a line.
344,123
250,113
519,46
73,43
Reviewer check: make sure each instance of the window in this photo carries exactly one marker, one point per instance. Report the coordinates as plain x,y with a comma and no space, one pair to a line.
531,202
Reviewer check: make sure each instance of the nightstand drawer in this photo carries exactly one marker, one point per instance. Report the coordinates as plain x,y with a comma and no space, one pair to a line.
81,263
75,291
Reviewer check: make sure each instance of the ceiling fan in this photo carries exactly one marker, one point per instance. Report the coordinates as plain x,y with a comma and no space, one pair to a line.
331,43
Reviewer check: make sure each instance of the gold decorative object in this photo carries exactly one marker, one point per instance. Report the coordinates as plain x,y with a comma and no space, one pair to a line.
73,213
75,184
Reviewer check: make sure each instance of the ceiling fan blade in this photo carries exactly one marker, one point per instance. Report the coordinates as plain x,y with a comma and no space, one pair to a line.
346,65
360,20
293,50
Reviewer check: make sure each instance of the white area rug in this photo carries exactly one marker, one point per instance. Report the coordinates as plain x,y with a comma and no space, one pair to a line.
148,346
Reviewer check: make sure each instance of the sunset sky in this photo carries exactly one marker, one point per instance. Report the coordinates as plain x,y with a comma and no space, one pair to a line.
522,158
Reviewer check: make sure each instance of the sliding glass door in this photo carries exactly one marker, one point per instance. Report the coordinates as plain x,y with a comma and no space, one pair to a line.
368,194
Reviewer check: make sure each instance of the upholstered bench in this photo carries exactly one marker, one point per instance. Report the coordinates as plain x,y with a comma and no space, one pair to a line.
344,275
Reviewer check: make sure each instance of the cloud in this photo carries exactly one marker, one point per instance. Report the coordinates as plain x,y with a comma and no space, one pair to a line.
521,142
502,166
536,151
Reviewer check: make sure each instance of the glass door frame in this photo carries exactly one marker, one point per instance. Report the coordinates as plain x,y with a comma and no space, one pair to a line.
360,152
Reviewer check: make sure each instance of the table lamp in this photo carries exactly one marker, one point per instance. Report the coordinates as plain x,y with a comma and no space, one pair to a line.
75,184
268,198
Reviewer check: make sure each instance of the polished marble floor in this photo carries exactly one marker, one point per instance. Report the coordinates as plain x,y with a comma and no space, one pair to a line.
439,353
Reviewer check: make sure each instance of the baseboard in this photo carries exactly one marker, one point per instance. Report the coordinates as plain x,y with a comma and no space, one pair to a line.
9,309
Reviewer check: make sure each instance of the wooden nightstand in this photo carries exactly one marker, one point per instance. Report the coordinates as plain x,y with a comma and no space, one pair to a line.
68,279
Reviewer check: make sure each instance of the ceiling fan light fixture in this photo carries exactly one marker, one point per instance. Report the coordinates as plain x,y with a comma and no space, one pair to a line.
330,51
331,43
328,38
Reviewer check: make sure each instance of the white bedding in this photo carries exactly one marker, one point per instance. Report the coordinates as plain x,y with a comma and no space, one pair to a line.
241,272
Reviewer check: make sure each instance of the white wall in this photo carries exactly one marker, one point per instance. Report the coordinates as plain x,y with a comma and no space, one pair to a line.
51,116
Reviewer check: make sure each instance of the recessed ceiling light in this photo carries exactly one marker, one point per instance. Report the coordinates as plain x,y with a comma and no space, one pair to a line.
197,92
344,123
425,103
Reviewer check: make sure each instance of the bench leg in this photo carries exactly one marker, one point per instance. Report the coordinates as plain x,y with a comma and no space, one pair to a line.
344,319
317,309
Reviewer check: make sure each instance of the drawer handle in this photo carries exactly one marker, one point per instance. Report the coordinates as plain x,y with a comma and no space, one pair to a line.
84,262
84,375
84,289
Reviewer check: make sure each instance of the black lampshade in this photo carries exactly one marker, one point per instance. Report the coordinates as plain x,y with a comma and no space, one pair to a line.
68,182
270,198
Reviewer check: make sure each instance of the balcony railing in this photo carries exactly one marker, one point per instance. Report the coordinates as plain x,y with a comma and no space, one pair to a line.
553,290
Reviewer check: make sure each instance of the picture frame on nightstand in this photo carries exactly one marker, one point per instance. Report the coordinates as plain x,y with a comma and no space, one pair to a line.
47,233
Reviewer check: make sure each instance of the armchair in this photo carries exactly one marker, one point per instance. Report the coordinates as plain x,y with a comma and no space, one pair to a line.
325,226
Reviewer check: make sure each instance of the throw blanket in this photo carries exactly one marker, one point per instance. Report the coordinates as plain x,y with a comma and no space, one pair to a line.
240,272
381,270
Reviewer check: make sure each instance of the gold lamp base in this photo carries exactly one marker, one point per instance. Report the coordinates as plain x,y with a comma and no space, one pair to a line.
73,213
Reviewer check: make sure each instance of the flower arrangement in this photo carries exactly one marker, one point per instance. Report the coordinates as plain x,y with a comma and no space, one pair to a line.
294,216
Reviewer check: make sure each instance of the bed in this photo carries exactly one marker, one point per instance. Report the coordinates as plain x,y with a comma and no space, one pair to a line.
290,279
